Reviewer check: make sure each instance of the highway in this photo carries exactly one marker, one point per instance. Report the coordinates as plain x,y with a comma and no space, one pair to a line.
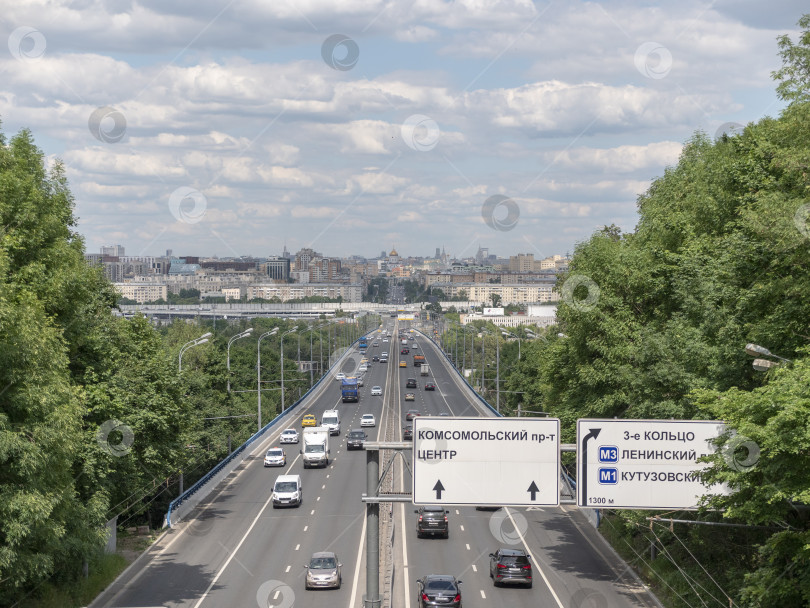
237,550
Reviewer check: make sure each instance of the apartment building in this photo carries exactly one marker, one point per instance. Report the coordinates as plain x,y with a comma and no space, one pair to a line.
284,292
142,292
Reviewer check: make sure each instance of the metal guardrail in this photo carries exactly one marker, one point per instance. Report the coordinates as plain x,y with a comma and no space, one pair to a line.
567,480
241,450
483,401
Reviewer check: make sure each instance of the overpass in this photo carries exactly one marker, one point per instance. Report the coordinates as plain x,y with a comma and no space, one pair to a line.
234,549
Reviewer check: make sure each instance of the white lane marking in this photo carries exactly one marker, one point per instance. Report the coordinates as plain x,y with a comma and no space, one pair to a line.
233,554
462,528
323,487
327,476
288,569
357,565
536,563
483,595
297,547
456,511
312,512
306,528
317,499
468,546
474,568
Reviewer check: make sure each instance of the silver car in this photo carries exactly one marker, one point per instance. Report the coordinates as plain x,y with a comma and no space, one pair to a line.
323,571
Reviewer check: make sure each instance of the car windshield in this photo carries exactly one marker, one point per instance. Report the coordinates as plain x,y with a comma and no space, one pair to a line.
274,452
368,417
288,432
286,486
313,449
356,434
330,419
440,585
322,563
514,560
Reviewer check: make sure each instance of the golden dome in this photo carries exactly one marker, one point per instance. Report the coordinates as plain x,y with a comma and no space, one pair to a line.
393,253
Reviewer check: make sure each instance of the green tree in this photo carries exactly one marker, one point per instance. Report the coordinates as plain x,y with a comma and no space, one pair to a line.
50,518
794,75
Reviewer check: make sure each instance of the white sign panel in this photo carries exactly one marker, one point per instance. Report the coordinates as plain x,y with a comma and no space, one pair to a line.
493,312
643,464
486,461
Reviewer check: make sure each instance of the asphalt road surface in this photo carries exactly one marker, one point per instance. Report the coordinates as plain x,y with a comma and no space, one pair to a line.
235,549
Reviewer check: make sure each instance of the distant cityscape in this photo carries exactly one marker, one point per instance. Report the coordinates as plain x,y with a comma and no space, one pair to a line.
309,276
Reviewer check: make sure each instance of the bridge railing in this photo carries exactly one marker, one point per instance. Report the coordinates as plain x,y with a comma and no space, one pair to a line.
189,499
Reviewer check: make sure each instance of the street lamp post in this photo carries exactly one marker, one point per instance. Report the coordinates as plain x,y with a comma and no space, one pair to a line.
508,333
272,332
244,334
201,340
293,330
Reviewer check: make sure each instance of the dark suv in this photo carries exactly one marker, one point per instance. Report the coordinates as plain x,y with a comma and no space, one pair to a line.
410,383
432,520
438,590
510,566
355,439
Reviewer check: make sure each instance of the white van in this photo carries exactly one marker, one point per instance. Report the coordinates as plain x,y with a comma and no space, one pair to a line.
331,420
287,491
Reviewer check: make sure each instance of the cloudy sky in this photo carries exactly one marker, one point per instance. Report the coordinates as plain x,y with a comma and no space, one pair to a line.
227,127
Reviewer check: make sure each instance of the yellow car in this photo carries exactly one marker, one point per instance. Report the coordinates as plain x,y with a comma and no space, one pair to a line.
309,420
403,364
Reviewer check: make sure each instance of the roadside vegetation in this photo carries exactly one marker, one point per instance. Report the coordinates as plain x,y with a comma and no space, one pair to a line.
657,328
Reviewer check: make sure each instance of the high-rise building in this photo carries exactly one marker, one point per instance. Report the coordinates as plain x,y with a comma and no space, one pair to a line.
113,250
304,257
279,267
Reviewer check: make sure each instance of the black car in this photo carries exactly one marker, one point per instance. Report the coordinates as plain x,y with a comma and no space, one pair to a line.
407,433
411,414
429,386
410,383
439,590
355,439
510,566
405,351
375,358
432,521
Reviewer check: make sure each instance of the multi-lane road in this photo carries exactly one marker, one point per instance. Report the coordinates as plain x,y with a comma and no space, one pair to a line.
235,549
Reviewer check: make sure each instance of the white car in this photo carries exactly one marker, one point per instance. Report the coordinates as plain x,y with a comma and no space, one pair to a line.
340,376
363,368
385,339
359,380
376,390
275,457
289,436
368,420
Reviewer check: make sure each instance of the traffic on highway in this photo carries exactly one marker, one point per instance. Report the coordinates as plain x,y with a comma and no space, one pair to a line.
288,527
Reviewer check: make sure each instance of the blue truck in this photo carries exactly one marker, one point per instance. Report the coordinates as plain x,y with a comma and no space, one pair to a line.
348,390
363,343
